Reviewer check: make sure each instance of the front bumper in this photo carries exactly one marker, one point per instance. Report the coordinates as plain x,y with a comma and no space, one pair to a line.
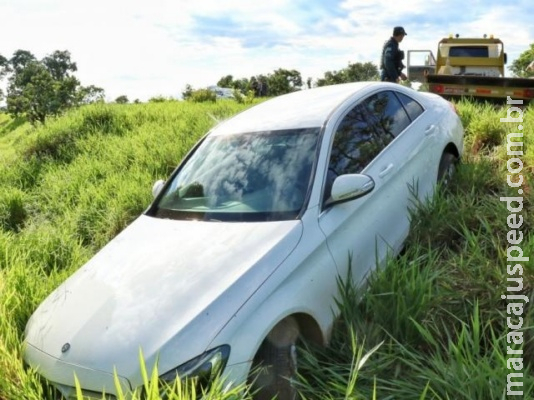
62,375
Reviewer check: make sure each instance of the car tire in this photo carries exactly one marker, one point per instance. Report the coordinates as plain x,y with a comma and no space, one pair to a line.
274,369
447,168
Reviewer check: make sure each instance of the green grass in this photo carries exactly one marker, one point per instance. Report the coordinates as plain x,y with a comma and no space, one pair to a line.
431,325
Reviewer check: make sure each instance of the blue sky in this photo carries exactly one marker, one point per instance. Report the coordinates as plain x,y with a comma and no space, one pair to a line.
146,48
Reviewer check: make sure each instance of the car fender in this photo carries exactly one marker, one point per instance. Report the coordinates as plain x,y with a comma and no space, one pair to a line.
307,291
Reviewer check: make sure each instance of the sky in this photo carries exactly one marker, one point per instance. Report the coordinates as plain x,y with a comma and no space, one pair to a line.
148,48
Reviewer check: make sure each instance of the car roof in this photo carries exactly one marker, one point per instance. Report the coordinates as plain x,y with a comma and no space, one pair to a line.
302,109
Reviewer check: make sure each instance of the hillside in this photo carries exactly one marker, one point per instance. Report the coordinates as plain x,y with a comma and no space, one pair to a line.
435,312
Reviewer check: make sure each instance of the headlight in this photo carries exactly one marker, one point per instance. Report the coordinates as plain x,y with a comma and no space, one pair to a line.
203,368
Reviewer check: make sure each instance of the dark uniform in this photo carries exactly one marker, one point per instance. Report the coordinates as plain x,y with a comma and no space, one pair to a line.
391,61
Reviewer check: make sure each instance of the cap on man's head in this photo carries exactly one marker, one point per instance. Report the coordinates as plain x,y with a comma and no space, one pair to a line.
399,30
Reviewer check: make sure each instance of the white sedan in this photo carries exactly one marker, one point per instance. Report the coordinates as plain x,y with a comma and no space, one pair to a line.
239,254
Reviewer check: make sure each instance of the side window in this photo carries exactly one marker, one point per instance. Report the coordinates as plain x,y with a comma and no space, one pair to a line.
387,114
412,107
355,145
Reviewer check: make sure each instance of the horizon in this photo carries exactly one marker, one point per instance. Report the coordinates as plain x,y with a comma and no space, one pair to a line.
127,48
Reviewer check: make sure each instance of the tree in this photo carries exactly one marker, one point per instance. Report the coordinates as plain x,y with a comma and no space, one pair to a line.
159,99
259,85
59,65
19,61
31,91
4,62
520,66
331,78
352,73
3,70
38,89
186,94
358,72
226,81
90,94
122,100
283,81
242,84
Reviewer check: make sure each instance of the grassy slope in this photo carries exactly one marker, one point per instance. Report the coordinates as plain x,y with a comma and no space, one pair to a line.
68,188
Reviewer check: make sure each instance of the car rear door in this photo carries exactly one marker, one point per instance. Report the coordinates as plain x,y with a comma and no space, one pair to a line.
412,133
416,149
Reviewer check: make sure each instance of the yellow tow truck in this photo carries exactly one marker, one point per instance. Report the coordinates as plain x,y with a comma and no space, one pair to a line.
468,67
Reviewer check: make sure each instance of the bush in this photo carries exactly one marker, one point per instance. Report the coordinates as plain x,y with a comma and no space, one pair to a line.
244,99
159,99
12,210
203,95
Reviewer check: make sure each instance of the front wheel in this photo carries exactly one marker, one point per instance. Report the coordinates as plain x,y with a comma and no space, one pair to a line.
446,169
274,369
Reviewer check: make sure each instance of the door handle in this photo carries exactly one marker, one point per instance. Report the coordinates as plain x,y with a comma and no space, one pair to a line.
385,171
430,129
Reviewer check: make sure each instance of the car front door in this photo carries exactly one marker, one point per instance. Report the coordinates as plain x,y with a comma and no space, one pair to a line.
364,230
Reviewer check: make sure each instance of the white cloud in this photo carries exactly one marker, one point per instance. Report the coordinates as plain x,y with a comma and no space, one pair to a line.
145,48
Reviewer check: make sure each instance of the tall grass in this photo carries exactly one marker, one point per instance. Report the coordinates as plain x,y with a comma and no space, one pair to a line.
437,309
430,325
66,189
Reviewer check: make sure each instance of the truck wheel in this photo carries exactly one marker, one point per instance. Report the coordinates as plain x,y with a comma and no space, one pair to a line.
446,169
274,368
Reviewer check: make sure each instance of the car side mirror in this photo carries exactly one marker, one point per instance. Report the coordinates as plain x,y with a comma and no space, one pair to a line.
349,187
158,185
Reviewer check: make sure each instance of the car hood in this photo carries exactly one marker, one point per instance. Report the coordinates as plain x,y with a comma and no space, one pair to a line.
157,281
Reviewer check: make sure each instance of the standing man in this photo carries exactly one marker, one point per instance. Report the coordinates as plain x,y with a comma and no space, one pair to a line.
391,61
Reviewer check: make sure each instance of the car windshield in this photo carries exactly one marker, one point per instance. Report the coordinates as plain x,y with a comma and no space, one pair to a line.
260,176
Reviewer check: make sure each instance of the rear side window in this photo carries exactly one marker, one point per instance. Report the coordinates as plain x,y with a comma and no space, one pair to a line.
412,107
387,114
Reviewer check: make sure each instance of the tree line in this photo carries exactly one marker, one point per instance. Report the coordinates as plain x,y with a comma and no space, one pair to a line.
37,89
283,81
